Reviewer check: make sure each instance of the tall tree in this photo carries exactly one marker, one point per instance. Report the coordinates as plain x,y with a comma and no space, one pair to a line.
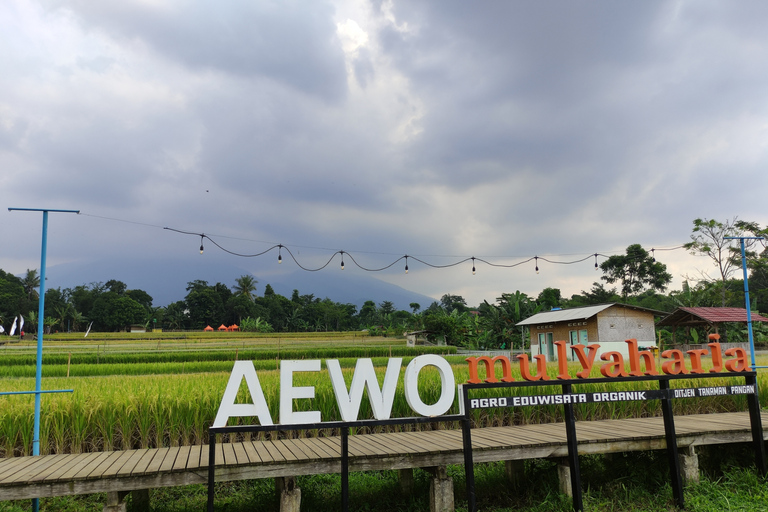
245,285
637,270
710,238
31,282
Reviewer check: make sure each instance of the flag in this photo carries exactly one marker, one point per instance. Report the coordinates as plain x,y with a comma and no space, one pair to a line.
13,327
88,330
1,329
21,324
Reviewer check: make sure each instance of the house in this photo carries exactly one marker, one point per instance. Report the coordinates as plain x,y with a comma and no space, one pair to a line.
608,325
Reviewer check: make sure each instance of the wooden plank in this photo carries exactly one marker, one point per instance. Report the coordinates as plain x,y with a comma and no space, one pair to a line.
273,451
31,471
118,464
284,450
298,448
129,465
264,454
195,455
15,465
157,460
83,465
219,451
205,451
251,453
53,471
230,459
240,455
322,449
145,461
170,459
180,464
96,470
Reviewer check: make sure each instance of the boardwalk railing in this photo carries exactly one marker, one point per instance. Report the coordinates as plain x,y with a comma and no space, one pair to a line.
568,397
343,426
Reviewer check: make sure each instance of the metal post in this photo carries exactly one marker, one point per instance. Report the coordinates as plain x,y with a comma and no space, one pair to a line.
211,467
40,327
40,331
746,294
345,469
466,437
757,425
671,438
573,451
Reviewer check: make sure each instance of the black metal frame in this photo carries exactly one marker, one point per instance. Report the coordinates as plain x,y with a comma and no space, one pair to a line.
664,394
344,426
669,425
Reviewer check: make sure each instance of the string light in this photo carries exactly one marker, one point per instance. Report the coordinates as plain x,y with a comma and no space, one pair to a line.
653,255
473,259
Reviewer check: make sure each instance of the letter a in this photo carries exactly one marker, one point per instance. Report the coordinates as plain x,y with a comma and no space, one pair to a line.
228,408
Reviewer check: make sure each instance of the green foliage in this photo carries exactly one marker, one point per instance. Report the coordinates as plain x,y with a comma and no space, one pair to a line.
636,270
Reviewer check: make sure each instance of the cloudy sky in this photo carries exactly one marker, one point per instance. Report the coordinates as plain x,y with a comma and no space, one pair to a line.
438,129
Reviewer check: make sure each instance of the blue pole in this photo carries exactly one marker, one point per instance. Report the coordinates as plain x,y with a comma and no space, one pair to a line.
40,324
748,304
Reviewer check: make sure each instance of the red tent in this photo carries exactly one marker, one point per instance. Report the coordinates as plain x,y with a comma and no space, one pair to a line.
222,327
208,328
233,327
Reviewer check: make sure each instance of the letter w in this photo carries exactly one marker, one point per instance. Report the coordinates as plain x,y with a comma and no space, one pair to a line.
365,377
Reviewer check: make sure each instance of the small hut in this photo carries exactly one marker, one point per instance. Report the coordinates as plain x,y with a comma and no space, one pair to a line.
208,328
710,319
222,327
233,327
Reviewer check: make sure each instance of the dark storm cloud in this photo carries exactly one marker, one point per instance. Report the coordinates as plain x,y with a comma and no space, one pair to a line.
293,43
430,128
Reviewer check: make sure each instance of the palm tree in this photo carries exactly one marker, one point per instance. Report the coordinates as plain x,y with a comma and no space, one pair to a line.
31,282
245,285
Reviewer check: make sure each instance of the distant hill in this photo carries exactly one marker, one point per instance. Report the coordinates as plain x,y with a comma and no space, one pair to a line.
166,280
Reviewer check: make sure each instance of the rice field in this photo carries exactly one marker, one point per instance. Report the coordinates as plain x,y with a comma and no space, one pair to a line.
143,398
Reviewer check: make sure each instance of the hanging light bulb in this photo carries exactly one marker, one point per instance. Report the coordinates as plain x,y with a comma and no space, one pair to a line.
473,265
279,254
595,261
201,244
406,264
537,263
342,260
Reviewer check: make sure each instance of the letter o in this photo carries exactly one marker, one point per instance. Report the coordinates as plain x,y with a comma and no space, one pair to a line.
411,385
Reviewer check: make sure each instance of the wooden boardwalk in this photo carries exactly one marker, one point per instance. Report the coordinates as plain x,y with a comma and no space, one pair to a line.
122,471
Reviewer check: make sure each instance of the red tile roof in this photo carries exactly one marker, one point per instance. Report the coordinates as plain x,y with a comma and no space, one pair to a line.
709,315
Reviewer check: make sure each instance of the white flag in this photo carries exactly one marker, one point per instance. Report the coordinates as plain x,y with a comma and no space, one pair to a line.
1,329
21,324
88,330
13,327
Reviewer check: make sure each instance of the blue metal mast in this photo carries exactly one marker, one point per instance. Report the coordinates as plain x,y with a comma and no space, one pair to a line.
40,327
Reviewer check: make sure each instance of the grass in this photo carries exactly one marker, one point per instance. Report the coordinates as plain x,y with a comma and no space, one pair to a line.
642,487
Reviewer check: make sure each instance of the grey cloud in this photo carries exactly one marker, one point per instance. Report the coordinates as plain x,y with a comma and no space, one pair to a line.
292,43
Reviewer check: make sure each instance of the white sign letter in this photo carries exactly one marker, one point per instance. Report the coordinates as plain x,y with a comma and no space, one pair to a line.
228,408
411,385
365,377
288,393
